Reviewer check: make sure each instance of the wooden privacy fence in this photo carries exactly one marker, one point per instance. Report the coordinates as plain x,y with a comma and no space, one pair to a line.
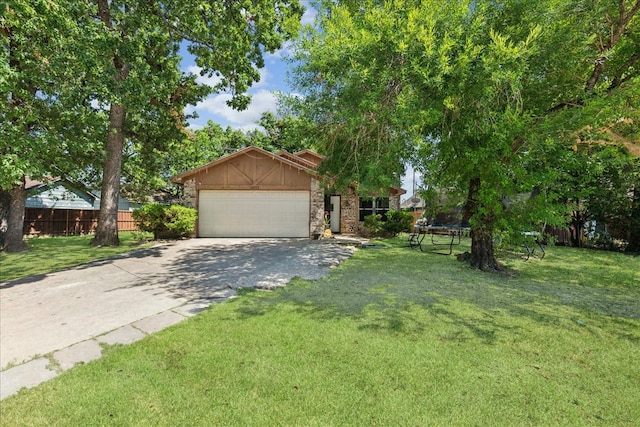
66,222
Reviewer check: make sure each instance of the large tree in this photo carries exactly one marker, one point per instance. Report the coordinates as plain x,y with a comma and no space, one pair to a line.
46,124
487,92
140,77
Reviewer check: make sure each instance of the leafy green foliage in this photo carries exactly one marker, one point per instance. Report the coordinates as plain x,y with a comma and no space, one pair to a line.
43,123
398,222
373,224
166,221
286,133
483,97
395,222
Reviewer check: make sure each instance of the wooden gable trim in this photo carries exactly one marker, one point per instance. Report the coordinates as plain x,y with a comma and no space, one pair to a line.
181,178
310,153
303,162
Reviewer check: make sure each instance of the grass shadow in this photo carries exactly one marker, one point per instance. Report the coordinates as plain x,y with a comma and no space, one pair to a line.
382,288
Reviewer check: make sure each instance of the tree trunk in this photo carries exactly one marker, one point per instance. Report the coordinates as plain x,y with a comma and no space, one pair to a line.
107,230
482,254
5,202
13,239
577,221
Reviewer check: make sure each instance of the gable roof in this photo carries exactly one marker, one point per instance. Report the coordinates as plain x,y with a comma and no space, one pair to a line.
306,161
310,156
57,193
287,155
287,159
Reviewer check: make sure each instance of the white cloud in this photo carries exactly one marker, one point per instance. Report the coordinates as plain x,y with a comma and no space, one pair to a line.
214,80
216,106
309,14
194,127
284,52
207,80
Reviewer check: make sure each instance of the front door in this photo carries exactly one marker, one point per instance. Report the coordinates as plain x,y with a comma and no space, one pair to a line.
334,214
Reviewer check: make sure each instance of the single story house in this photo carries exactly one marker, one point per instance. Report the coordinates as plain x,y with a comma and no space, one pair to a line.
256,193
60,207
63,194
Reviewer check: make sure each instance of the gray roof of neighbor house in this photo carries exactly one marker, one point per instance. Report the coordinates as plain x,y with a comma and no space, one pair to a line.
414,201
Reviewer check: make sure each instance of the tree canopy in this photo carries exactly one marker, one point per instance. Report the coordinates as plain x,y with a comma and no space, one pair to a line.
483,96
139,44
43,108
110,69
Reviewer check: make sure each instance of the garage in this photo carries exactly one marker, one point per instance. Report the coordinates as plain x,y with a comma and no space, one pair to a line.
251,213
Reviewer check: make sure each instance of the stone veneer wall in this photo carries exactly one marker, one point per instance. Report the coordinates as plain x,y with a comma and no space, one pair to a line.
189,193
349,213
316,212
394,203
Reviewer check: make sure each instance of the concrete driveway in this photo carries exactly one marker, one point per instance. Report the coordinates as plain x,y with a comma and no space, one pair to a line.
60,319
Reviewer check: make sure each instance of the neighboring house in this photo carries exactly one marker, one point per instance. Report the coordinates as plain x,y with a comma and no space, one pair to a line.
63,194
415,206
255,193
58,194
60,207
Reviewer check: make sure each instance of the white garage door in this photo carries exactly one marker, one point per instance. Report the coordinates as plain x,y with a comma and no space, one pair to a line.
253,213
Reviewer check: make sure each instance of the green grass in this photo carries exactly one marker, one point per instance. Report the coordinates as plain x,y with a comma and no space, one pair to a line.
48,254
392,337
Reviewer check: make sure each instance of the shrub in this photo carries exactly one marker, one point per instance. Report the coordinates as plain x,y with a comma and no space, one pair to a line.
397,222
164,221
373,224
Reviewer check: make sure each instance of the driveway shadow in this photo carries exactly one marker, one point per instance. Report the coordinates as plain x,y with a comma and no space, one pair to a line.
211,267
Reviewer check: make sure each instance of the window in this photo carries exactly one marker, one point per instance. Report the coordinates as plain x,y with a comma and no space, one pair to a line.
370,206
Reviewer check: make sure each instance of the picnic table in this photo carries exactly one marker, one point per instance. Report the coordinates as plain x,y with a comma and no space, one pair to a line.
441,235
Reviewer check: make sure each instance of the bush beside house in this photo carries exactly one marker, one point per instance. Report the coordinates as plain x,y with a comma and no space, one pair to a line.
396,222
166,222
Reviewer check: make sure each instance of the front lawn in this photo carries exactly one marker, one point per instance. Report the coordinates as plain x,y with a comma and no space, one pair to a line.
48,254
392,337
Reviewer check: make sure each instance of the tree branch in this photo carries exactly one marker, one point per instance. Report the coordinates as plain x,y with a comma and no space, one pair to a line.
618,79
614,37
617,31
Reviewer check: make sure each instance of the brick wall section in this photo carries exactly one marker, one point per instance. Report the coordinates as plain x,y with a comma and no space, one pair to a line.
189,196
317,208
